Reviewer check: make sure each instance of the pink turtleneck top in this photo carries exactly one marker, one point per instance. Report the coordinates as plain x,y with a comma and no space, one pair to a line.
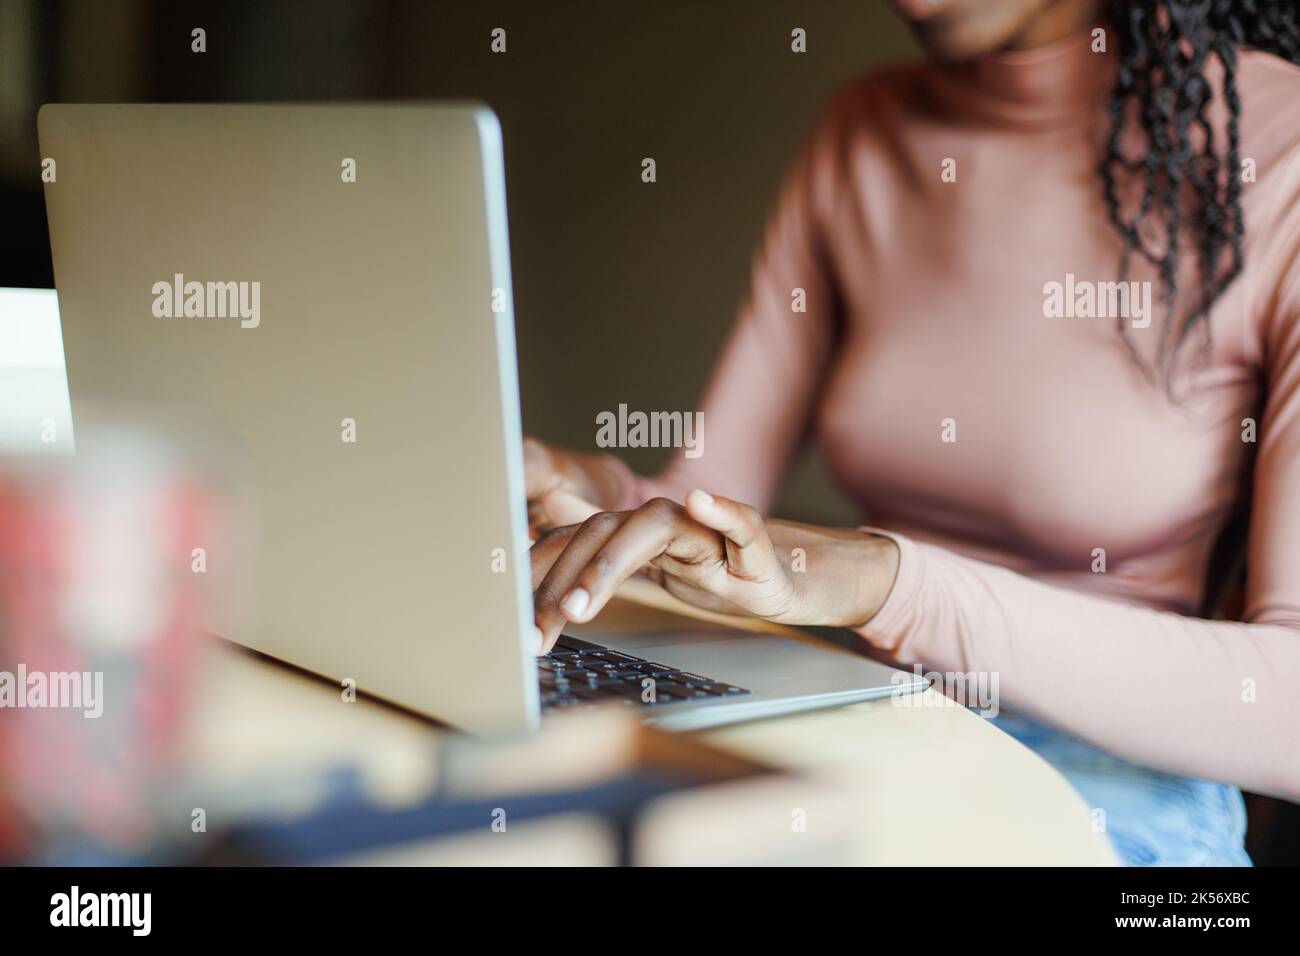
1013,452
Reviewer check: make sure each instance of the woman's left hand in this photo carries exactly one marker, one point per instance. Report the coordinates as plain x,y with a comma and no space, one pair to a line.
711,551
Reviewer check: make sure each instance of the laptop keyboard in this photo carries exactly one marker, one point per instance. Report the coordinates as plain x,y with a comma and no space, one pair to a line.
579,672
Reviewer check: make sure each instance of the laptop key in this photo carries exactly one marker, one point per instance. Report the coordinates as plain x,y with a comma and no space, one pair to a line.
650,667
682,677
620,657
611,657
576,644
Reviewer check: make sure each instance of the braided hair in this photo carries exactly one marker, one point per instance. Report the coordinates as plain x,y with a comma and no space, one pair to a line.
1164,47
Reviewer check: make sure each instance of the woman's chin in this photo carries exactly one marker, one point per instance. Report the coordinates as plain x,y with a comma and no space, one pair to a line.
960,30
918,10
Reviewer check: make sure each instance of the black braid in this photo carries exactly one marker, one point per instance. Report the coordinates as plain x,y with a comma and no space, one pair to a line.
1163,49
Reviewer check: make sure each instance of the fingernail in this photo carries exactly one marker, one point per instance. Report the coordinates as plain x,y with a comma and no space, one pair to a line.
703,496
576,602
539,638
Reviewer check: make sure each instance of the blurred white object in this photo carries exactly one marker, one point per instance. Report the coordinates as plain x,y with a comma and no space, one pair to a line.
35,412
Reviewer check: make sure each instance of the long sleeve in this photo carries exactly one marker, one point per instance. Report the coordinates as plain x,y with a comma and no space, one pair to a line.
756,406
1210,699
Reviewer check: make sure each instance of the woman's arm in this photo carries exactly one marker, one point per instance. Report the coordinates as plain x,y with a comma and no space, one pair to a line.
1209,699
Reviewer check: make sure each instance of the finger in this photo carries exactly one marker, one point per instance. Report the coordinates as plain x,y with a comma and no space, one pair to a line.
564,507
547,548
697,596
657,528
750,554
555,585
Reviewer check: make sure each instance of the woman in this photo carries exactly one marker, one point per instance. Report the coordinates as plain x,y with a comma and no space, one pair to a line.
1048,457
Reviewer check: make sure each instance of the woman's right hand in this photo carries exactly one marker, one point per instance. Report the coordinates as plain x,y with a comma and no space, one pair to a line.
565,486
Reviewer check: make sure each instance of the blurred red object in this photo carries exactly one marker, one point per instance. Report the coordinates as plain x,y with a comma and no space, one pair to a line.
102,560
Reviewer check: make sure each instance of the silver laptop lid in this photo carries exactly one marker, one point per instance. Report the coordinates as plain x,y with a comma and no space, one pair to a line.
325,291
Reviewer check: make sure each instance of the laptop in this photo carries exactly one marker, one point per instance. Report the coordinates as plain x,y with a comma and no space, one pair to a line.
323,292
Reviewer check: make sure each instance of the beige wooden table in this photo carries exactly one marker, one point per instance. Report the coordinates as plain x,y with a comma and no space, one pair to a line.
937,784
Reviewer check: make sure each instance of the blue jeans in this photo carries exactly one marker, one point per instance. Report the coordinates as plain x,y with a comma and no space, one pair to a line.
1152,818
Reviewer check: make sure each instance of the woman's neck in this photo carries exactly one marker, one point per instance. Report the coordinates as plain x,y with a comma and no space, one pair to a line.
1059,20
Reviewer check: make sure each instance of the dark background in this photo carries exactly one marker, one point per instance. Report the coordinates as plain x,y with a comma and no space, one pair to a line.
623,290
